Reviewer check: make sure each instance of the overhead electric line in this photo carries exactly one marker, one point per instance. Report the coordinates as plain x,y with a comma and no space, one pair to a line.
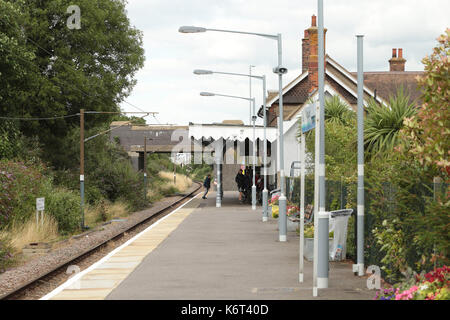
38,119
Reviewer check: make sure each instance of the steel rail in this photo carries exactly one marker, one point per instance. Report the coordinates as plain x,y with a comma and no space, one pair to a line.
87,252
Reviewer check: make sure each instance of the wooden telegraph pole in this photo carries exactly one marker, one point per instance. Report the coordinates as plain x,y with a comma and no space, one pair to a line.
82,166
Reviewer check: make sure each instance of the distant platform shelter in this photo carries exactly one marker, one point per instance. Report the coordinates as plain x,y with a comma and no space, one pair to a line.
229,144
233,144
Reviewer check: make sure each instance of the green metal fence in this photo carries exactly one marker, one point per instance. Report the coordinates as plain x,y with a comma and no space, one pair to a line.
342,195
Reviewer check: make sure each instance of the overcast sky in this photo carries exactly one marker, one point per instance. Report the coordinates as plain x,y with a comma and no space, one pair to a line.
167,85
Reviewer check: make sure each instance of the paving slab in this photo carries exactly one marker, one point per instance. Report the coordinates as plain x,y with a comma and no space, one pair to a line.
97,281
229,253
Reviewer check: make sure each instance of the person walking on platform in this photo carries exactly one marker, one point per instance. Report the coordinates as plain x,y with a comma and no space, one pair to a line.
207,185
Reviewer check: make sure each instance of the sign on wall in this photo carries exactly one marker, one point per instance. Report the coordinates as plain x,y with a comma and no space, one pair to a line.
308,117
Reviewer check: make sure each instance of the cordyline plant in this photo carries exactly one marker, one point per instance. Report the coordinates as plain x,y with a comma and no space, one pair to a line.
429,131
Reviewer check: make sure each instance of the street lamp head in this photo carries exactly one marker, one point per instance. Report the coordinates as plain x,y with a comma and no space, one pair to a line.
206,94
200,72
191,29
280,70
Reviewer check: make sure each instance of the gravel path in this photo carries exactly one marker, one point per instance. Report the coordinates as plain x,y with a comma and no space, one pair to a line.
68,249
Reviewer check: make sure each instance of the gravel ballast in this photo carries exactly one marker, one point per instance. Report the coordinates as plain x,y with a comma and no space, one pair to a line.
67,250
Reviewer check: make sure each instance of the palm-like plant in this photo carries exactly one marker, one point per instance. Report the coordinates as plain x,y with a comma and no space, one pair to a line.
337,112
383,124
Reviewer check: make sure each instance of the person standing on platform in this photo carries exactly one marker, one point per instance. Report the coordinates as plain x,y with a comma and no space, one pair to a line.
240,183
207,185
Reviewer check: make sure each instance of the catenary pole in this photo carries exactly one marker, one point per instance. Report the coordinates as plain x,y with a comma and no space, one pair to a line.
82,166
360,194
145,167
265,193
250,94
316,197
282,217
302,205
218,152
254,156
323,221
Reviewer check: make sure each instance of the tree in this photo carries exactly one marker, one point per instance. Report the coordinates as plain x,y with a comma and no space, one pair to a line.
90,68
383,124
429,131
16,76
134,120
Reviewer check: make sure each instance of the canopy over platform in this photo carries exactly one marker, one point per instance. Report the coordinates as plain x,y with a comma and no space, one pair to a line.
229,131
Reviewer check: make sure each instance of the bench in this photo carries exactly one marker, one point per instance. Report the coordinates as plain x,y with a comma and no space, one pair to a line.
309,214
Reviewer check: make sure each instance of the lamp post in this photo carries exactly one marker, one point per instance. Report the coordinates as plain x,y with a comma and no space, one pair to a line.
252,100
263,78
280,70
250,90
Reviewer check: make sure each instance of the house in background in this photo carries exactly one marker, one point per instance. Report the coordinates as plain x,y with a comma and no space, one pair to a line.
338,81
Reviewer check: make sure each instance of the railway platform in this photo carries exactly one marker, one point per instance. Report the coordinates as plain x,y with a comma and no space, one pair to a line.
203,252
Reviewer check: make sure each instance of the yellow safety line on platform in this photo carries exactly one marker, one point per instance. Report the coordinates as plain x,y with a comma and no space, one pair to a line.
103,279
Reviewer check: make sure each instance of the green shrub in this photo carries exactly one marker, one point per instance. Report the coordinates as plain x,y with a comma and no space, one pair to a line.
93,194
200,173
10,142
170,190
64,205
6,257
20,185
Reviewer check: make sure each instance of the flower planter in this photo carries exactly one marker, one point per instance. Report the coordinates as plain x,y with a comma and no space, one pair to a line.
274,209
291,225
308,251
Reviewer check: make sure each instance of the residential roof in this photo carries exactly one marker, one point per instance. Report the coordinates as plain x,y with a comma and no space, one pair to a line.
378,85
386,83
271,94
237,122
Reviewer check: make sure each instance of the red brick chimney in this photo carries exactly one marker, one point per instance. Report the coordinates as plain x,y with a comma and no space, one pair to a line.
397,63
310,53
305,52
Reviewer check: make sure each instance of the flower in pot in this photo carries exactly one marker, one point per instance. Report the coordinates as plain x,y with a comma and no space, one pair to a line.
292,210
275,210
274,200
309,231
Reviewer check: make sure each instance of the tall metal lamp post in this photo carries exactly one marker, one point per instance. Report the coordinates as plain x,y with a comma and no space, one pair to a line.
280,70
265,191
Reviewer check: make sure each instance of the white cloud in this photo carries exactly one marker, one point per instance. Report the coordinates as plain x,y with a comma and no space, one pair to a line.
166,83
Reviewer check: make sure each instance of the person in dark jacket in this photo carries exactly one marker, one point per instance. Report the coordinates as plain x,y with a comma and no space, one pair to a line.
240,183
207,185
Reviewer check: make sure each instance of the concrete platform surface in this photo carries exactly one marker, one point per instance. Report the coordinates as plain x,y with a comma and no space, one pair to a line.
229,253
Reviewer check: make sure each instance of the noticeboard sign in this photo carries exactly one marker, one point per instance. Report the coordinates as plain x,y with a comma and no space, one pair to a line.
40,204
308,117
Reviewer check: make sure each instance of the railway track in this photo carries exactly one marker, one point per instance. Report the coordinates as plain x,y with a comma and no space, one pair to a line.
52,278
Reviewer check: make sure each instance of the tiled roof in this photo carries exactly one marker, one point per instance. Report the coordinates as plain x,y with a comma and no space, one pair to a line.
386,83
271,94
379,84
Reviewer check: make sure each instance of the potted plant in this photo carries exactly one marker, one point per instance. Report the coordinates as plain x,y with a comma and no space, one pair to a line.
273,205
308,251
292,211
